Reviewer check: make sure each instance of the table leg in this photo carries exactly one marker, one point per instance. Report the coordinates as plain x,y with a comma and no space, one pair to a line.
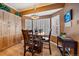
75,49
57,42
63,50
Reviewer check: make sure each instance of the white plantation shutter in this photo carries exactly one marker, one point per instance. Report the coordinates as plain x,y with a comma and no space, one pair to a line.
28,24
56,25
43,24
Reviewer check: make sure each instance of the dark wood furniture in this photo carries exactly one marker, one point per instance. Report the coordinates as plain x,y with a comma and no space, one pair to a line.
67,43
26,38
34,43
48,41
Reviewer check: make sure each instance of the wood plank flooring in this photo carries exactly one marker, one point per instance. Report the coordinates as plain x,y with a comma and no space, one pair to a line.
17,50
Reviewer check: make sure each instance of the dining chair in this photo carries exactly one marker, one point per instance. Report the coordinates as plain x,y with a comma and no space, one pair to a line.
27,35
47,40
35,46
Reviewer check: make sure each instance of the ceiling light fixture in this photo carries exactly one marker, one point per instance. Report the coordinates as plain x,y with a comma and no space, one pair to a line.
34,16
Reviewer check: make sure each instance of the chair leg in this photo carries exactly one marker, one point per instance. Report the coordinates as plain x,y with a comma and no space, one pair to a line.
32,53
24,53
32,50
24,50
50,48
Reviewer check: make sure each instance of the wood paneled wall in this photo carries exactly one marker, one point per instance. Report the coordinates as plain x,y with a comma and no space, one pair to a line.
10,29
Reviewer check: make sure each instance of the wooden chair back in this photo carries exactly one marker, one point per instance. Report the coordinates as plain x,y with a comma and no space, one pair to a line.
50,34
25,35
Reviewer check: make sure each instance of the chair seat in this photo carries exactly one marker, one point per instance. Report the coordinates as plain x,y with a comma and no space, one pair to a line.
45,38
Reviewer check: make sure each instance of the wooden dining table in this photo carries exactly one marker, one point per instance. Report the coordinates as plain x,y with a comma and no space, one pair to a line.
37,42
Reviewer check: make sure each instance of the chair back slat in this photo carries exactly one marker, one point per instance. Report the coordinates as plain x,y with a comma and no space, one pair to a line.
50,34
25,34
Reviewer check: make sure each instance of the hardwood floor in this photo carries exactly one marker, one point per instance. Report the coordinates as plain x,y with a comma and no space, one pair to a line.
17,50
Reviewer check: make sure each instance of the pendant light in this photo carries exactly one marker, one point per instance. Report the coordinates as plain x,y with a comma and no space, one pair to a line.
34,16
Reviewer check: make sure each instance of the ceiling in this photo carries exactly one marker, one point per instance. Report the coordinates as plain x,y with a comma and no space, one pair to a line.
25,6
45,12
